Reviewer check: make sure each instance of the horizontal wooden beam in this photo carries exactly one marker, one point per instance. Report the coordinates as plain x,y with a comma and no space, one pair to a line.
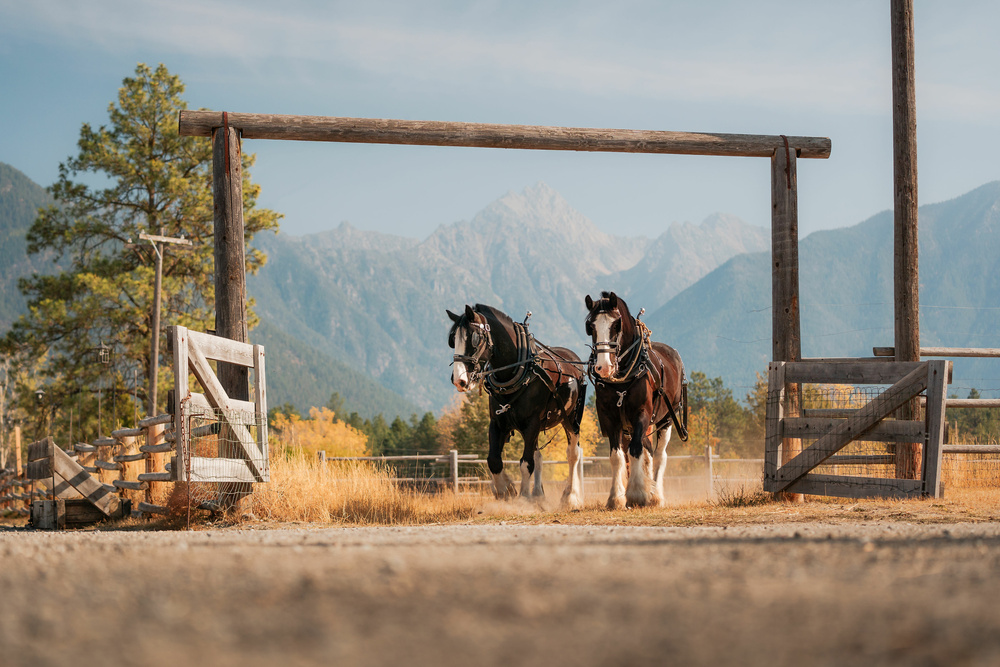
857,487
981,352
970,449
867,372
491,135
890,430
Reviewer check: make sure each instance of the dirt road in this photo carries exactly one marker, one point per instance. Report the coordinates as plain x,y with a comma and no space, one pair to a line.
799,594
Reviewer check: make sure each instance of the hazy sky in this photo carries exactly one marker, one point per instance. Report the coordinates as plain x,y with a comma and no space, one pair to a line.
773,67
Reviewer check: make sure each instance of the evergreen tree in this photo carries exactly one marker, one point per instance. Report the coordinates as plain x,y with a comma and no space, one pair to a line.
91,323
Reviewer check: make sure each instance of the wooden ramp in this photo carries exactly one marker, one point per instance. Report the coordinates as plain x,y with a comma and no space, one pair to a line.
73,488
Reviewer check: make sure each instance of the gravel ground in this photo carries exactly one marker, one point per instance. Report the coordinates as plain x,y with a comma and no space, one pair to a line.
783,594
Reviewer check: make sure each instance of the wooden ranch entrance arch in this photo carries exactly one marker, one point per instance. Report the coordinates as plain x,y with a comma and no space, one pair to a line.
228,129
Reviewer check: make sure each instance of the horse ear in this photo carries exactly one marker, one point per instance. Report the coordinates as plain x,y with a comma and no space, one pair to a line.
613,300
453,316
589,302
471,314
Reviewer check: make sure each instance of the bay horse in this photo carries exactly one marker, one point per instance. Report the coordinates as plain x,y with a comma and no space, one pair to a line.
532,388
640,389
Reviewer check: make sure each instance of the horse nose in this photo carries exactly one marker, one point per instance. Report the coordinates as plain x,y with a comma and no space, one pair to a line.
462,384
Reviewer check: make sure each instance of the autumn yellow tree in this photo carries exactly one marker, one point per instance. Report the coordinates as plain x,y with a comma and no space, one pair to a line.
321,432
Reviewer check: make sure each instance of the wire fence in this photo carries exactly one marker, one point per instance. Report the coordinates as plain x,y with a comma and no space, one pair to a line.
687,476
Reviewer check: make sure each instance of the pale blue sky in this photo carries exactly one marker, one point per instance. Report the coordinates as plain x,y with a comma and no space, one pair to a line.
771,67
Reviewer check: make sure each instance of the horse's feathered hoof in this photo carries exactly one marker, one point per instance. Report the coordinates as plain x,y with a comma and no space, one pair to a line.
616,502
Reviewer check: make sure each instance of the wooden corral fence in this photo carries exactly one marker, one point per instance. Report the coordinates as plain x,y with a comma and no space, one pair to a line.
227,130
110,477
958,403
706,478
832,430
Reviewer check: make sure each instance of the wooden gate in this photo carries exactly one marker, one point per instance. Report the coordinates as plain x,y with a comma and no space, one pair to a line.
834,430
241,424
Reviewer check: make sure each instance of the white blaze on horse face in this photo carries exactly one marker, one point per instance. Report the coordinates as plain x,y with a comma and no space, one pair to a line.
604,366
459,373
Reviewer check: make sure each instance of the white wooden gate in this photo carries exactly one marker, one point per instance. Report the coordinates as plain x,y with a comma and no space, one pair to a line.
868,423
244,422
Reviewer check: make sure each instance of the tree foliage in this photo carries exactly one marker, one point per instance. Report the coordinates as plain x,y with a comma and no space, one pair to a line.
134,175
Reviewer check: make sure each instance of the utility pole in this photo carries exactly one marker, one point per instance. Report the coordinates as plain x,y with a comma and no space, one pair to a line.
154,353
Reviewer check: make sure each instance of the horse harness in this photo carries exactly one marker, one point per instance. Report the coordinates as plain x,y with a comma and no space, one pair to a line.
528,365
640,366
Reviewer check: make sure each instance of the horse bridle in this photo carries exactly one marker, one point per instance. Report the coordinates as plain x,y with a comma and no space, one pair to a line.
611,347
481,341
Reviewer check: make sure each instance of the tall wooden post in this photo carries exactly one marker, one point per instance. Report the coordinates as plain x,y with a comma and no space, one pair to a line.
786,336
17,451
230,273
906,277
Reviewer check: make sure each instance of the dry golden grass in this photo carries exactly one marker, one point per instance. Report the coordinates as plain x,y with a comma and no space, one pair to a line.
303,489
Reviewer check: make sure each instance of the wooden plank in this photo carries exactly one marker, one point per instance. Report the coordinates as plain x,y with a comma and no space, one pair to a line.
201,402
855,427
43,514
490,135
773,420
937,372
154,420
128,433
156,477
260,399
866,372
150,508
858,487
890,430
81,513
179,336
84,447
972,402
41,469
129,458
64,489
222,349
107,465
860,459
17,450
130,486
218,398
970,449
156,449
980,352
81,480
105,442
205,469
41,449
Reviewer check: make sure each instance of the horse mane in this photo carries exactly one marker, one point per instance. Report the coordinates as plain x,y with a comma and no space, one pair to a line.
488,312
495,313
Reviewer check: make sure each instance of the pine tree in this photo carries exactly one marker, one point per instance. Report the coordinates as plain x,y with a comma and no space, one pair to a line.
90,323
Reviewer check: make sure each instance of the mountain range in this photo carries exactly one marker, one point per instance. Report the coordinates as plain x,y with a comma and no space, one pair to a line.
363,313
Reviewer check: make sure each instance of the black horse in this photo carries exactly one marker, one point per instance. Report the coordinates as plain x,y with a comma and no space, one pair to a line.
640,390
532,388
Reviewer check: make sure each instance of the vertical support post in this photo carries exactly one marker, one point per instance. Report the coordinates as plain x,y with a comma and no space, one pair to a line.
453,458
230,256
786,336
937,382
322,456
906,279
230,273
17,450
709,476
179,336
154,463
154,351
